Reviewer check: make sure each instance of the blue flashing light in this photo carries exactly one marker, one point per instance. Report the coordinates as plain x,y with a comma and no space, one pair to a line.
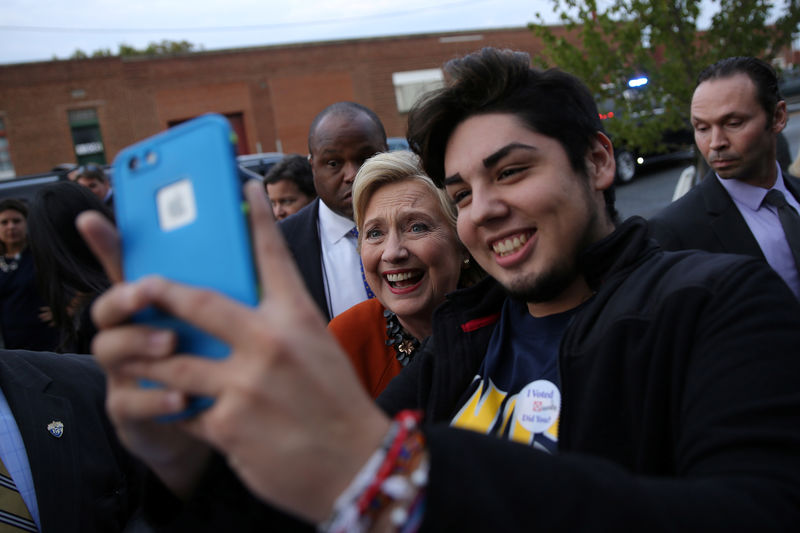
637,82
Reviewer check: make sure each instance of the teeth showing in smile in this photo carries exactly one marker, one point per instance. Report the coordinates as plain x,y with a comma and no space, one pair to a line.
509,246
402,279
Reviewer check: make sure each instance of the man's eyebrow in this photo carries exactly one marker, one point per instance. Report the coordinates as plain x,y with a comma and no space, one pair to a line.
452,180
723,118
492,160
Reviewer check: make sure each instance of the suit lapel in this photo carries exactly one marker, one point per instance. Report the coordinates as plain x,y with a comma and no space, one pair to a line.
53,461
306,247
315,274
727,222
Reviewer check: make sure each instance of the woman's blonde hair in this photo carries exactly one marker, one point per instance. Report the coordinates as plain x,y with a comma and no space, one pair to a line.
394,167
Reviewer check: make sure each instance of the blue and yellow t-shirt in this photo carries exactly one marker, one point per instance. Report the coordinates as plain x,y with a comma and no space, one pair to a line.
515,394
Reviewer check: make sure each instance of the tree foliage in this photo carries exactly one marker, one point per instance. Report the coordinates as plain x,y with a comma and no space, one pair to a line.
165,47
608,45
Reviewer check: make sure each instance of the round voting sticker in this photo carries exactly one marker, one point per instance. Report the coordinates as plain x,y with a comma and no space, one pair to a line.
538,405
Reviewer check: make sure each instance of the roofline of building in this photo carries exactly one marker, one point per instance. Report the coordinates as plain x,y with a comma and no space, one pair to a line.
281,46
308,44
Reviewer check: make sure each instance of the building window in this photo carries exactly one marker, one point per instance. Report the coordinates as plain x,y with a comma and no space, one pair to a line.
6,168
410,85
86,136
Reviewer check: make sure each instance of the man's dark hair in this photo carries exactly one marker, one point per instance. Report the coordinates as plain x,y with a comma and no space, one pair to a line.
761,72
17,205
294,168
92,171
551,102
347,109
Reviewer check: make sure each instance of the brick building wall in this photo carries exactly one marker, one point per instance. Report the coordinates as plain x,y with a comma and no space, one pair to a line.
277,90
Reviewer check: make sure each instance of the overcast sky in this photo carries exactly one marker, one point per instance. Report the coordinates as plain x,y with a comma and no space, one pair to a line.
38,30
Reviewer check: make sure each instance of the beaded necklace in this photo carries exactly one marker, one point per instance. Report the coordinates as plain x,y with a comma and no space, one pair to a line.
9,264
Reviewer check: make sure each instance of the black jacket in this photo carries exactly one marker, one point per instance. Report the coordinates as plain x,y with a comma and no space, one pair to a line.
680,403
85,481
706,218
680,407
301,233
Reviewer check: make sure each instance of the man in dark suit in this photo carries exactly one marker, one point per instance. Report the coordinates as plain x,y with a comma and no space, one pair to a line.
319,236
94,178
737,113
71,470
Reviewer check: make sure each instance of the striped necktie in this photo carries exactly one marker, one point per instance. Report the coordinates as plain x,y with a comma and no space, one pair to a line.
370,294
14,514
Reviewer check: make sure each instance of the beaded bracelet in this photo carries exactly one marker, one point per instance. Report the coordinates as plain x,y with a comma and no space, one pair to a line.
392,481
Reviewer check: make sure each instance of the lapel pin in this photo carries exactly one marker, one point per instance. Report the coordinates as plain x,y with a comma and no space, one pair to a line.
56,428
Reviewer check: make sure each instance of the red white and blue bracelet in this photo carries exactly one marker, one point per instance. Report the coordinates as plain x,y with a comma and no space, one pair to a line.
390,488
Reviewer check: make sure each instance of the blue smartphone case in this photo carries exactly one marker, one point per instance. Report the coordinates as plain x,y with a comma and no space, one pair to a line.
180,214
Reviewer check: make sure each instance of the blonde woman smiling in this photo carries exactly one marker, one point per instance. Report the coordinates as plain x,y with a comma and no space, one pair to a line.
412,258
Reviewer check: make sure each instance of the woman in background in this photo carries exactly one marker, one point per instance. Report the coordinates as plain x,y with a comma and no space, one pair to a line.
68,274
23,315
412,258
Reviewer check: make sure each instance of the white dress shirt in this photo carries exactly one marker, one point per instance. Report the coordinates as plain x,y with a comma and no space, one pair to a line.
341,265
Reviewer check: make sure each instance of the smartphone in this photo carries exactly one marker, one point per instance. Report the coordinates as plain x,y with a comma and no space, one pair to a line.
181,214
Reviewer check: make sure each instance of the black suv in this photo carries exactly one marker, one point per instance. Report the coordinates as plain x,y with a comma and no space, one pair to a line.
677,145
24,187
259,163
